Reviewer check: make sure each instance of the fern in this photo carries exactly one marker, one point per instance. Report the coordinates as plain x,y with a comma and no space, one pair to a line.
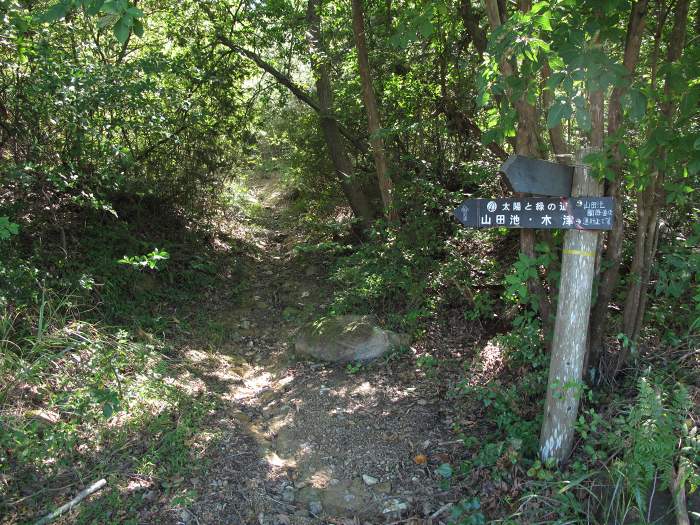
655,432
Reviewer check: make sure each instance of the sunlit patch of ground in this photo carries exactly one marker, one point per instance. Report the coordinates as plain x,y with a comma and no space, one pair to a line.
487,364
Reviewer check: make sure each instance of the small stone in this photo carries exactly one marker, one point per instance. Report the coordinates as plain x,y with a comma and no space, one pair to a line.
185,516
369,480
395,506
315,508
245,324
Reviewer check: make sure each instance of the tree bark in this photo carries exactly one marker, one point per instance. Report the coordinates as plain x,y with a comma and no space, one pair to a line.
570,329
470,21
386,185
650,202
342,164
611,258
525,144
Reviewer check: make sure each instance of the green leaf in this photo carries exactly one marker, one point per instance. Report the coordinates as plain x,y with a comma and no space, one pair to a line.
544,21
694,167
94,7
638,104
554,80
444,470
135,12
121,30
138,28
107,20
54,13
539,6
7,228
557,113
425,26
112,7
583,119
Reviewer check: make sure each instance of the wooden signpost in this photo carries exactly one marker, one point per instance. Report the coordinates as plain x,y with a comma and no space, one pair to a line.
580,210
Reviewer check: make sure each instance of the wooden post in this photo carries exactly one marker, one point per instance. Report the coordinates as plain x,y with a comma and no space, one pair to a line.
570,328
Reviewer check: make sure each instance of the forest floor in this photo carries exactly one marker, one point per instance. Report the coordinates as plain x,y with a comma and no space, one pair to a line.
294,441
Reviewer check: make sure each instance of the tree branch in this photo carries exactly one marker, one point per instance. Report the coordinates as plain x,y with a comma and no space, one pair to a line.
297,91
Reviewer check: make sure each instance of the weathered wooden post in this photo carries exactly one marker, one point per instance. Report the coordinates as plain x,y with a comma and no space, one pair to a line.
571,326
579,208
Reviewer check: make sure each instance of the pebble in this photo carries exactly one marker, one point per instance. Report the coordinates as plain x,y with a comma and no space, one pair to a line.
369,480
315,507
185,516
395,506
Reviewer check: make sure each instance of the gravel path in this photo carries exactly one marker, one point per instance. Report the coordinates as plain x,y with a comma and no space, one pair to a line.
298,442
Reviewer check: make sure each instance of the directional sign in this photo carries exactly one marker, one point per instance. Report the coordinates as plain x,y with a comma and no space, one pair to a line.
581,213
526,175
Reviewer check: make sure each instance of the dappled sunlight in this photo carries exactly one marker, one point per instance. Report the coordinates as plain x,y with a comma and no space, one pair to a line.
487,364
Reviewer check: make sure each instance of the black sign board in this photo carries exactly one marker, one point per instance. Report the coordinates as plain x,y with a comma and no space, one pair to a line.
526,175
581,213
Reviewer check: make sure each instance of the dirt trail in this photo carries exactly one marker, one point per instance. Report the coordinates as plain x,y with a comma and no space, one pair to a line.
301,442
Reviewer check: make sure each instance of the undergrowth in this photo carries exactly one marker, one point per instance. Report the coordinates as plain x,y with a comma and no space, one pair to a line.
81,401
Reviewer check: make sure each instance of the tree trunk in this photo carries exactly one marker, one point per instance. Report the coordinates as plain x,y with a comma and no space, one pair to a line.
526,143
470,21
386,185
570,329
649,204
342,164
611,259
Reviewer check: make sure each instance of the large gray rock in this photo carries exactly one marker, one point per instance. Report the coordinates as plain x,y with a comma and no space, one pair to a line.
346,338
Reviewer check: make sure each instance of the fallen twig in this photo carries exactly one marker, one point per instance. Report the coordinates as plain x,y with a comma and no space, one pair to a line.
72,503
440,510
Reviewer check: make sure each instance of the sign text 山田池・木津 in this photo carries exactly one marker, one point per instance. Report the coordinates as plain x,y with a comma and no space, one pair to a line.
582,213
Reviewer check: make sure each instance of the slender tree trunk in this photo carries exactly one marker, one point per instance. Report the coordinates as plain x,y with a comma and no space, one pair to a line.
611,258
470,21
342,164
386,185
526,143
649,204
